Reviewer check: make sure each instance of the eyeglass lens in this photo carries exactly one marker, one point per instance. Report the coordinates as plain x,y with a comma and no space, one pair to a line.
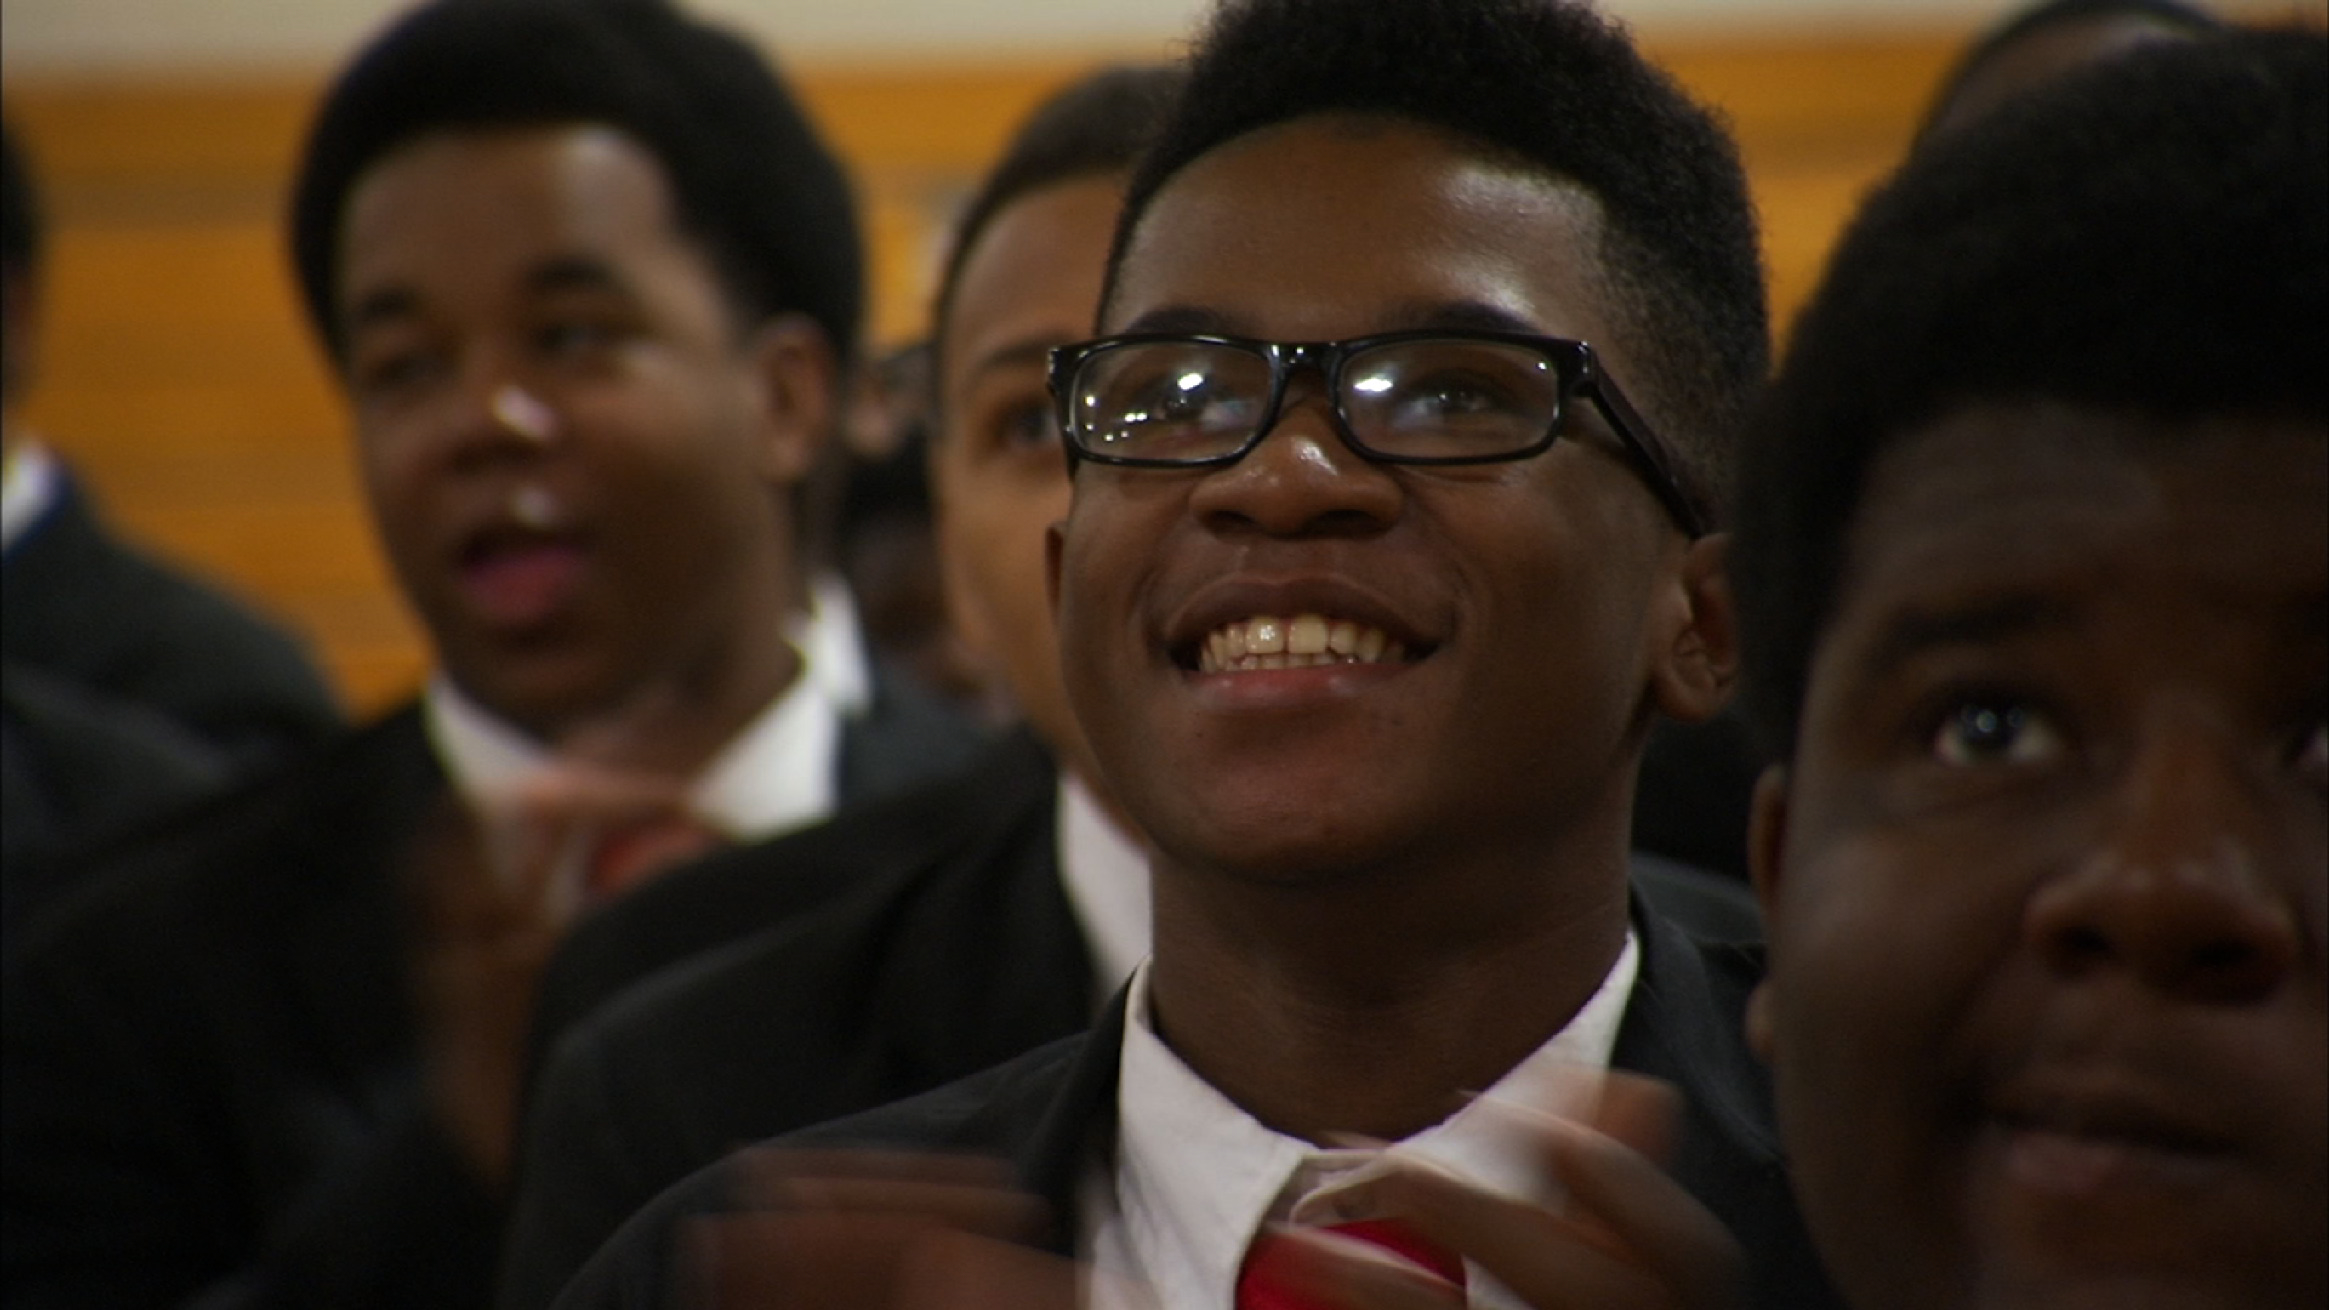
1416,399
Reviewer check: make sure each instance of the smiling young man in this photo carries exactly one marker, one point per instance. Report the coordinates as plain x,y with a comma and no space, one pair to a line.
2033,561
589,278
1375,578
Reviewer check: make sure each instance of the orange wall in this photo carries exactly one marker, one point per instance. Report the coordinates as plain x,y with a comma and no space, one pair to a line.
178,376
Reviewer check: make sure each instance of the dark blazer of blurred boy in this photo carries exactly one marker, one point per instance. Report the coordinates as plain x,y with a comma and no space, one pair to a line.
589,278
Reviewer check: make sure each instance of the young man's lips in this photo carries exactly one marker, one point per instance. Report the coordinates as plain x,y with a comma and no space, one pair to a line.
2082,1144
521,583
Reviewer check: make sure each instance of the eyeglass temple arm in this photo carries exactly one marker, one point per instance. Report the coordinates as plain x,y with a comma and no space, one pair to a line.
1668,479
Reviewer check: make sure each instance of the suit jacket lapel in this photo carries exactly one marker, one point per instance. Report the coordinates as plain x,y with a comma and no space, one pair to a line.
1075,1129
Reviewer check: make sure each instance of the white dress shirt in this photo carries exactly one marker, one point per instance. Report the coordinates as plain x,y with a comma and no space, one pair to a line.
778,773
1195,1178
30,481
1105,874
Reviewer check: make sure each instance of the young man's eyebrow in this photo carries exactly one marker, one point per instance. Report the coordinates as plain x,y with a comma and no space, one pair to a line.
574,273
385,305
1031,350
1452,315
1464,316
1915,631
1191,319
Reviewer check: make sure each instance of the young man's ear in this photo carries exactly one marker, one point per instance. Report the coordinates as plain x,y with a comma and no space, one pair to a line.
1697,659
1766,864
799,378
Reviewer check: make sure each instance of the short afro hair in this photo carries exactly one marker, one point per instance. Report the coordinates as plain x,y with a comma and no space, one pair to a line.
1096,126
2148,236
2168,16
21,231
750,178
1556,87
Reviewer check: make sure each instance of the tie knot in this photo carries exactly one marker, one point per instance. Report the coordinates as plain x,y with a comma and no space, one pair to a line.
628,853
1265,1283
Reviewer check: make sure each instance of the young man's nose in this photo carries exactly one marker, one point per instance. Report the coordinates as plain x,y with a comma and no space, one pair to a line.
494,415
1301,479
2189,886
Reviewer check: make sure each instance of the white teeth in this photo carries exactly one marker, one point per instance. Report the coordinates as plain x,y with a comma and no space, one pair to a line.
1306,635
1264,635
1267,641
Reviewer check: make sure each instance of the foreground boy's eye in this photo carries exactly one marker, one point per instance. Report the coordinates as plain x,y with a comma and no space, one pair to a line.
1994,732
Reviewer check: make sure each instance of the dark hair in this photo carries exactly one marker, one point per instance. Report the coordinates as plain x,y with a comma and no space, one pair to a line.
1563,91
750,178
2147,236
2169,15
20,219
1095,126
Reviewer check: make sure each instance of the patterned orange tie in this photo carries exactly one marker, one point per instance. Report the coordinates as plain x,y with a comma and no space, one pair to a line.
1262,1283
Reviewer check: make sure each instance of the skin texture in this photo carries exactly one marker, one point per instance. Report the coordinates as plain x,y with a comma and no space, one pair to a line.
549,262
1000,478
2046,1004
1397,878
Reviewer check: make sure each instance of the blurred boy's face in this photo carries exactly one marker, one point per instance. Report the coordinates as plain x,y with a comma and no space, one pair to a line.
575,454
2048,877
1030,283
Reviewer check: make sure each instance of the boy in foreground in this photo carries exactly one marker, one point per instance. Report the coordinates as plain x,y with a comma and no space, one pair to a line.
2031,559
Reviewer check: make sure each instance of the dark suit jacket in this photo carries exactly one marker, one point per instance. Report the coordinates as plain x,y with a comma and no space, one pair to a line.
79,769
734,894
86,607
1050,1110
208,1055
956,950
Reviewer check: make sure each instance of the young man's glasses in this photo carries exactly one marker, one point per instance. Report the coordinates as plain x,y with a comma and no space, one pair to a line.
1155,400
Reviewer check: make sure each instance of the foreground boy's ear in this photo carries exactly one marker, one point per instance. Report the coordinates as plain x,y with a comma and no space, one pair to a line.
1699,662
1766,842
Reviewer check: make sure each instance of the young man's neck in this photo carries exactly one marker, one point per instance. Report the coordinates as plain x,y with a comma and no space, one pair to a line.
673,724
1372,1007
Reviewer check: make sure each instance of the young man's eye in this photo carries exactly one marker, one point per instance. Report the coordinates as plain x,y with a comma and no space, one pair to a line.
1994,732
386,374
1025,426
573,337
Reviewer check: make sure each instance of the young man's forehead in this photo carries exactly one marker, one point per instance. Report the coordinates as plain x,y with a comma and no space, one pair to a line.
2006,520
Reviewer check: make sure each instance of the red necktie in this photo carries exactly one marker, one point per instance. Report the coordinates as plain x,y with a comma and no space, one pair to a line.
630,853
1262,1283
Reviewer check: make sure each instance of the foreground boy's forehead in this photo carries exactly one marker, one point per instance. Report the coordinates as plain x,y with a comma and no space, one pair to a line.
2017,486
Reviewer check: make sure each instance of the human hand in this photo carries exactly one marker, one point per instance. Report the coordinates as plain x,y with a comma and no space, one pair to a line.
1627,1237
866,1230
498,885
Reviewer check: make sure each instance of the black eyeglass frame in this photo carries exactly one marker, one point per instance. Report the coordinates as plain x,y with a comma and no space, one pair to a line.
1580,370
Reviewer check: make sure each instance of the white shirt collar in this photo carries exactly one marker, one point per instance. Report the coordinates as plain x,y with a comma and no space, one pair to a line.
778,773
832,646
30,482
1195,1177
1106,876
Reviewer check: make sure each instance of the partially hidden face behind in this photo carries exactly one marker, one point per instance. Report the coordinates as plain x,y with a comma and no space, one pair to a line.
2047,878
575,446
1030,282
1509,625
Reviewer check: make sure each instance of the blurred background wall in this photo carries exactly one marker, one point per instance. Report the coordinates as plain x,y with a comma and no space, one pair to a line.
178,377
